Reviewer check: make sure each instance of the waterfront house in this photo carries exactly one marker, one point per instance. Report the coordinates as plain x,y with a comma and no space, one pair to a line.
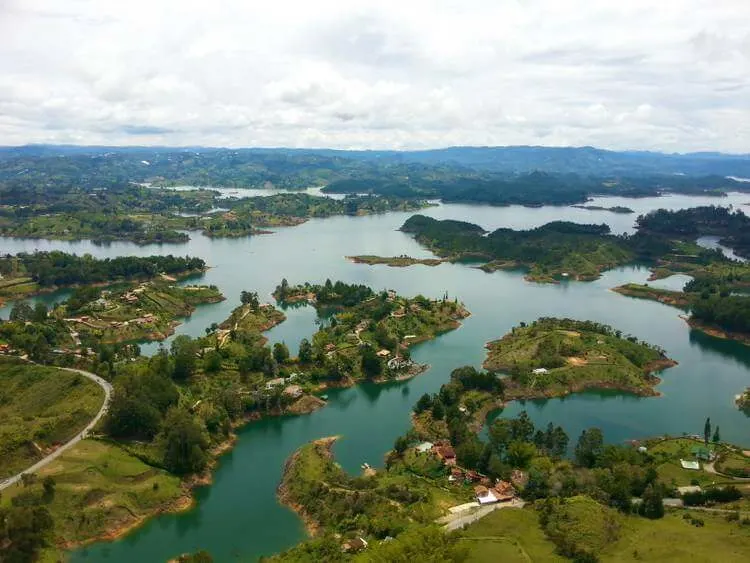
446,453
293,391
354,545
274,383
504,491
424,447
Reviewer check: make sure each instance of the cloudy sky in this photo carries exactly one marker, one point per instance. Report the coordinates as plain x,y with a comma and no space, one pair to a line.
669,75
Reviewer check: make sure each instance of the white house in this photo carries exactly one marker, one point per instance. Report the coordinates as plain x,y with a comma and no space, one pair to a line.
539,371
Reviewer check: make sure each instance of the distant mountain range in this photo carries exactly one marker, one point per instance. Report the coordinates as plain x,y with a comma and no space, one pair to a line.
584,161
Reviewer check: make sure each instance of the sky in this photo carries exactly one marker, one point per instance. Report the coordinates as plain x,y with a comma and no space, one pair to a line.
668,75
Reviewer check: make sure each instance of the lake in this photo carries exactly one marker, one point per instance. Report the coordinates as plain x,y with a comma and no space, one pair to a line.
238,518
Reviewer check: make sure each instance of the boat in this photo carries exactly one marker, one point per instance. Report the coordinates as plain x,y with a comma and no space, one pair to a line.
324,397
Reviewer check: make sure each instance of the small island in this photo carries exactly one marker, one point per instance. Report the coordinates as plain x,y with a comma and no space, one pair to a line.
368,334
394,261
553,252
614,209
553,357
743,401
134,312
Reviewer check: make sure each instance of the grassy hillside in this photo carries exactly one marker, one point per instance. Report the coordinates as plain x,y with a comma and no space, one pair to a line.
555,356
101,490
515,535
39,408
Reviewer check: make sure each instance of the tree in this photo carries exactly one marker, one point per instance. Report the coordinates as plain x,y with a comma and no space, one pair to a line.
212,362
48,484
250,298
717,437
438,410
40,312
424,403
652,504
400,445
305,354
280,352
371,364
589,447
23,531
185,441
707,430
469,453
201,556
520,453
184,350
21,312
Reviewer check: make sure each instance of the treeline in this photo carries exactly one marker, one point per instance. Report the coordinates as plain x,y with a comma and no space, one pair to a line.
728,312
547,246
695,222
332,294
56,268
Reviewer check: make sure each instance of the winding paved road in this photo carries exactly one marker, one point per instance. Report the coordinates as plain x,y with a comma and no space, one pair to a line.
77,438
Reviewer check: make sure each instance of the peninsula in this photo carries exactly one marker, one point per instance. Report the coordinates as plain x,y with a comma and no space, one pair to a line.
552,357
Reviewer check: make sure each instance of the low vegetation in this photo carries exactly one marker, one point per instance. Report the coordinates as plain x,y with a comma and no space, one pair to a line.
40,408
552,357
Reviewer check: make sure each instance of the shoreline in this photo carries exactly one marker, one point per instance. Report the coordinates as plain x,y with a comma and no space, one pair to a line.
312,527
716,331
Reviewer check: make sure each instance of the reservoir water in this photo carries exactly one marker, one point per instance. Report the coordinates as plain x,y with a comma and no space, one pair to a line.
238,518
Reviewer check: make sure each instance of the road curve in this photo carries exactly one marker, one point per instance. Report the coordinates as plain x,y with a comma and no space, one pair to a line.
77,438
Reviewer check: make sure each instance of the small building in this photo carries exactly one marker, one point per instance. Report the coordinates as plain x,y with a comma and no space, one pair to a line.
384,353
702,453
456,475
446,453
293,391
473,476
424,447
540,371
484,495
330,347
354,545
504,491
274,383
689,489
692,465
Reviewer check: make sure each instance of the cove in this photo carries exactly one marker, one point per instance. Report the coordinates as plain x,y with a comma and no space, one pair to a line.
238,518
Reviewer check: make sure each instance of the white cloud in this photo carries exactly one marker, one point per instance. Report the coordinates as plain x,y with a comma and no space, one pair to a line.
669,75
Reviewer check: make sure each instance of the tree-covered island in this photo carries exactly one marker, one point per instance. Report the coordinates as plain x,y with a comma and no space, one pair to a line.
551,357
368,333
26,274
155,215
554,251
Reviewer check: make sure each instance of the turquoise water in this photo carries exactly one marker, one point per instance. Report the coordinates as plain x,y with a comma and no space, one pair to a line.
238,518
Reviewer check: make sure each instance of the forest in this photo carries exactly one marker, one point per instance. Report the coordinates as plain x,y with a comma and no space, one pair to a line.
56,268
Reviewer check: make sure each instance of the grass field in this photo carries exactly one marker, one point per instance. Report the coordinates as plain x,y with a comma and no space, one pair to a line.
101,489
514,535
510,535
674,538
40,407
